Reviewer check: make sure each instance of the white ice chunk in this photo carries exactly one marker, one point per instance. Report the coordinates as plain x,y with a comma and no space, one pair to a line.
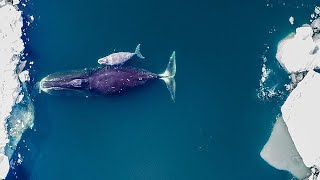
24,76
316,25
31,18
291,20
301,113
298,52
304,32
265,74
4,166
317,10
281,153
15,2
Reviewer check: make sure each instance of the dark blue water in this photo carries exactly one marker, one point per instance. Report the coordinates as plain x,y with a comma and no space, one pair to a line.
214,130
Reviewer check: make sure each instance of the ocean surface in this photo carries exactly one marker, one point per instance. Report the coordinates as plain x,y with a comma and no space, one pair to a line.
215,129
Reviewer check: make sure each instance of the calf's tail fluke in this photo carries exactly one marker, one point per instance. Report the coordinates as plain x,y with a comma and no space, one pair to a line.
138,53
169,74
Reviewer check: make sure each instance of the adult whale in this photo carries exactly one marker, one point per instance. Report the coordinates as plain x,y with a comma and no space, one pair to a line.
108,80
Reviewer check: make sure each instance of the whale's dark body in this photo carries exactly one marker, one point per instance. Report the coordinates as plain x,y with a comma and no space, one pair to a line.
107,80
104,81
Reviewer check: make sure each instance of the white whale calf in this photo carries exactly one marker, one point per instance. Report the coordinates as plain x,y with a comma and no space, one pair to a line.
120,57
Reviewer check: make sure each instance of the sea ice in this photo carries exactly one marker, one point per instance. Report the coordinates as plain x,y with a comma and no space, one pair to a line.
24,76
31,18
316,25
317,10
4,164
293,145
281,153
299,52
301,114
291,20
11,46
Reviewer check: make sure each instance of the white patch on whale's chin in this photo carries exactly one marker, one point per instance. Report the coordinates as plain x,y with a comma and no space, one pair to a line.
100,61
103,61
41,85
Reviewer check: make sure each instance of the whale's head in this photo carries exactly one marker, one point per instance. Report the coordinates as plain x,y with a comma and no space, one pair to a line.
62,83
48,84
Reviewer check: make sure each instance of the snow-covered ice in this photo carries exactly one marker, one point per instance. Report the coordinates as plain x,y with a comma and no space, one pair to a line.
24,76
4,164
299,52
301,114
11,46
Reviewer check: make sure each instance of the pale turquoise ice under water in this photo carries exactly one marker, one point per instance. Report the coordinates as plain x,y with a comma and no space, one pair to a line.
214,130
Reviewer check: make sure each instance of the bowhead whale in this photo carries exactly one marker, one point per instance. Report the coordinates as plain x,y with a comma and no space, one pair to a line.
108,80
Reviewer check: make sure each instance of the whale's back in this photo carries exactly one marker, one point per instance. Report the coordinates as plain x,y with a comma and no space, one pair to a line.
117,80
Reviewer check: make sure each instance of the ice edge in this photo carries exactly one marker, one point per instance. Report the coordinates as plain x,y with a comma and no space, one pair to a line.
11,46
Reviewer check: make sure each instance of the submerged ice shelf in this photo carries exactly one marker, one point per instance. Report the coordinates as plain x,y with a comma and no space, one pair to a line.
281,153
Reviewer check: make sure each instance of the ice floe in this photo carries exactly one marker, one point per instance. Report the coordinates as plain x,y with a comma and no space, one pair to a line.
4,164
11,46
298,52
291,20
317,10
316,27
301,114
24,76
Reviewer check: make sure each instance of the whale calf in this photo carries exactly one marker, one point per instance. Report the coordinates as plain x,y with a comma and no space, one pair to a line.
120,57
108,80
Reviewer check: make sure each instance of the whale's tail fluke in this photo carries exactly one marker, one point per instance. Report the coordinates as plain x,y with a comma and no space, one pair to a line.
138,53
169,74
